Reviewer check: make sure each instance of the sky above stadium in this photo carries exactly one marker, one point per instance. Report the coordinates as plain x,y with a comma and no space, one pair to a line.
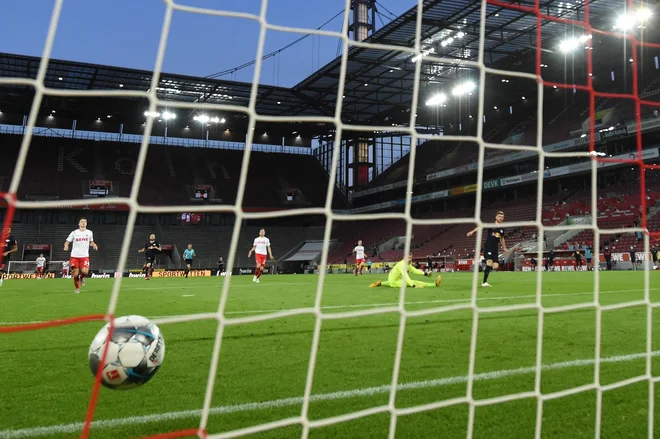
126,33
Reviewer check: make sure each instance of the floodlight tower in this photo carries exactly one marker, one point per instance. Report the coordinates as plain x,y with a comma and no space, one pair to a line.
363,19
363,24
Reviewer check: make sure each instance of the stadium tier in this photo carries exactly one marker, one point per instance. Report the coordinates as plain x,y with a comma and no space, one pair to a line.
62,169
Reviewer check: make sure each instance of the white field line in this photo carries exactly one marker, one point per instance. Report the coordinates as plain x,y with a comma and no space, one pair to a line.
74,428
378,305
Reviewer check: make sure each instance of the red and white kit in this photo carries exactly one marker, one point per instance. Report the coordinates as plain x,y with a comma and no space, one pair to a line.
261,249
41,262
81,240
359,254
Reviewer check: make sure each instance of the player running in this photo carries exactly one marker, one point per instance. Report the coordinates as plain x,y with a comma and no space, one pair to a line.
82,240
188,255
11,246
494,237
41,263
261,248
359,257
65,269
221,266
399,275
150,249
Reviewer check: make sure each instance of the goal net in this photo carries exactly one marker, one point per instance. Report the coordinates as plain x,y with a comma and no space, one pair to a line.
426,55
30,267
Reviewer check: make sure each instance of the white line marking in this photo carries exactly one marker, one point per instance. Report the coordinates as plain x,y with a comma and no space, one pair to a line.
173,287
425,302
286,402
378,305
188,295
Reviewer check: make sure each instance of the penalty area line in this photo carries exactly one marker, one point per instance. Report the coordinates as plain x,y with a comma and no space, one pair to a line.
105,424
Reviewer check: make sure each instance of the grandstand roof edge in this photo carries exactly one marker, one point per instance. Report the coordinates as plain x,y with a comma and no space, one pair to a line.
136,71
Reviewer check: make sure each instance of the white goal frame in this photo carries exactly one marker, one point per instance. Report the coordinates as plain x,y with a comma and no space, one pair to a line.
224,321
49,264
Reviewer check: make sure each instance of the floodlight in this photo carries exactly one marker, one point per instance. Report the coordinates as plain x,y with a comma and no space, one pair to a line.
151,114
203,118
460,35
437,99
215,119
569,45
643,14
167,115
463,88
624,22
222,120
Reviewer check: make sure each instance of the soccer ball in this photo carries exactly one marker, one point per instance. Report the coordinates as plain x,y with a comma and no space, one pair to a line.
135,352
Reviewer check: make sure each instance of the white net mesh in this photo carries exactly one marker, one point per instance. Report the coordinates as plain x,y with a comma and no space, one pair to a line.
224,320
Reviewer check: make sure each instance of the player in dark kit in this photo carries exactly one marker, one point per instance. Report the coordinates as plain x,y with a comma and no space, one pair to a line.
494,237
11,246
550,262
654,257
633,257
578,260
608,257
221,266
150,249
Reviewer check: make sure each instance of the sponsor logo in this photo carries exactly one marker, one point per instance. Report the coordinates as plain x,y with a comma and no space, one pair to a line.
181,273
100,276
136,275
244,271
492,184
224,273
511,180
154,356
26,276
36,246
112,375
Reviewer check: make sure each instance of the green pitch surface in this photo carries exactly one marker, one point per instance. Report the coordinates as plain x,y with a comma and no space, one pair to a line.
45,382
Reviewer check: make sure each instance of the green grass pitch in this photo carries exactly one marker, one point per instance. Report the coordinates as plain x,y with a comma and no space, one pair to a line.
45,382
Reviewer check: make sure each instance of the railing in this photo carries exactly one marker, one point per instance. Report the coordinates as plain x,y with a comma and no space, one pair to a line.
154,140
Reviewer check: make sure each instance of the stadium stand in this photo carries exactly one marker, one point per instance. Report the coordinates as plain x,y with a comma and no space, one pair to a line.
58,169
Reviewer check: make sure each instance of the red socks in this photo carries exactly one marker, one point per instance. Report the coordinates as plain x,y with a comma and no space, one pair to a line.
258,272
76,282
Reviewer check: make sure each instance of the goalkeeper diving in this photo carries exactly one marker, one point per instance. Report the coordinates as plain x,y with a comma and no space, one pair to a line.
400,275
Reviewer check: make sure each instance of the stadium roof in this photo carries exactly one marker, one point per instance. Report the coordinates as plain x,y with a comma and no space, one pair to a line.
390,73
82,76
387,74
